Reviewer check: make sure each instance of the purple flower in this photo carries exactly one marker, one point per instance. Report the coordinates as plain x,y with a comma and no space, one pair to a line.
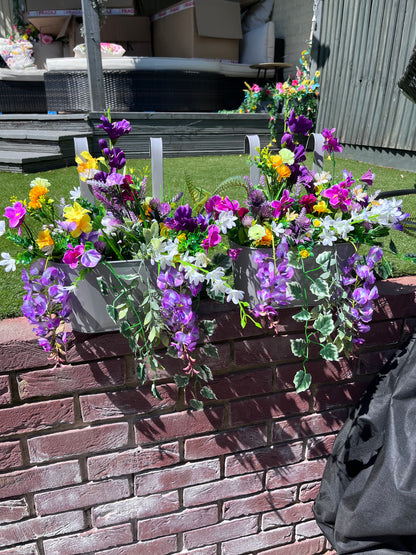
331,143
72,255
338,197
116,158
182,220
90,258
367,178
170,278
300,124
234,253
114,130
375,254
16,214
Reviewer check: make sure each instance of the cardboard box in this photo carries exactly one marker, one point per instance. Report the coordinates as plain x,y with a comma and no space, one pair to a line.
131,32
198,29
42,5
54,26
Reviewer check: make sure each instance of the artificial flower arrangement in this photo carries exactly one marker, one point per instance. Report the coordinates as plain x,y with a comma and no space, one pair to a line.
17,49
176,253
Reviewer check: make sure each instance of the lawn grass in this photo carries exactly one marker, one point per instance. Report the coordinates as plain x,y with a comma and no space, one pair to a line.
206,172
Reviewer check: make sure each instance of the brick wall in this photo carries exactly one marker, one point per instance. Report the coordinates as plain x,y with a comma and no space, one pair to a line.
92,463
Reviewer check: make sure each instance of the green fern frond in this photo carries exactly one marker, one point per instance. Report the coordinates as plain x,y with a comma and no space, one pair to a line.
234,181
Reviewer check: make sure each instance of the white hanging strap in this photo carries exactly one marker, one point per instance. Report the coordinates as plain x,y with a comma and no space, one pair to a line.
80,146
252,147
156,155
318,153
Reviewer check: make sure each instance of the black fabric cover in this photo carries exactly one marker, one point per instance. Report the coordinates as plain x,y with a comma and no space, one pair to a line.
367,500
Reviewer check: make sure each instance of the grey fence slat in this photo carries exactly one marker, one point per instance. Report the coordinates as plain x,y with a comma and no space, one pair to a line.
369,44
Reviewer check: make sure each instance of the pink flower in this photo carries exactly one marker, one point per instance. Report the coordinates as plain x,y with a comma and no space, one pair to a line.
45,39
72,255
295,82
213,239
338,197
16,214
256,89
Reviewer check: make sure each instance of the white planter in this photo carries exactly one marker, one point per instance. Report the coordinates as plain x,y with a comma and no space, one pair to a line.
245,269
89,305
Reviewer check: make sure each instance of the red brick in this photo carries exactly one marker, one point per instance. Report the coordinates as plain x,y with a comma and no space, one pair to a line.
243,384
309,492
269,349
307,530
222,489
13,509
132,461
102,406
89,541
208,550
290,515
85,347
78,442
177,477
167,544
306,426
228,326
372,362
188,519
300,473
338,395
262,459
10,454
326,371
174,366
71,379
267,407
179,424
135,507
36,416
256,542
320,446
81,496
384,333
39,478
307,547
53,525
223,531
27,549
225,442
5,393
19,347
260,503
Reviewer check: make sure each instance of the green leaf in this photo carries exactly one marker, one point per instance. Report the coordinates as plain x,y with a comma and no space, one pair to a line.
102,285
196,405
181,380
141,371
384,269
302,316
113,312
123,312
323,258
294,261
302,381
329,352
125,329
148,318
324,324
207,326
298,347
392,246
295,289
221,259
204,372
155,392
210,350
207,392
320,289
152,334
172,352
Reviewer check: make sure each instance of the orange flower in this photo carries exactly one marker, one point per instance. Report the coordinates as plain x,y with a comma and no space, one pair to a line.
266,240
283,171
45,241
36,194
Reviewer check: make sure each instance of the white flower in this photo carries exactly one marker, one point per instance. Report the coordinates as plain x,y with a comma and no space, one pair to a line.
327,238
234,295
256,232
201,260
2,227
322,178
216,274
75,193
40,181
219,286
287,156
278,229
343,227
8,262
226,220
193,276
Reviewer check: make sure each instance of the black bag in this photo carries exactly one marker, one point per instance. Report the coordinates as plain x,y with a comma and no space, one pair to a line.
367,499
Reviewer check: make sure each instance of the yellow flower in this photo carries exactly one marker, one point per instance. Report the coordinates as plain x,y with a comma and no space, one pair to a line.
316,223
287,156
266,240
256,232
37,196
80,216
181,237
304,253
290,216
321,207
45,241
164,230
86,168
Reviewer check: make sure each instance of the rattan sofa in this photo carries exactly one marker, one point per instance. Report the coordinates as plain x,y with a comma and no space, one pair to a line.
148,84
22,91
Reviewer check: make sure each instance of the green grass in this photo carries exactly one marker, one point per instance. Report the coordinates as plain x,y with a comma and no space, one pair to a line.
206,172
